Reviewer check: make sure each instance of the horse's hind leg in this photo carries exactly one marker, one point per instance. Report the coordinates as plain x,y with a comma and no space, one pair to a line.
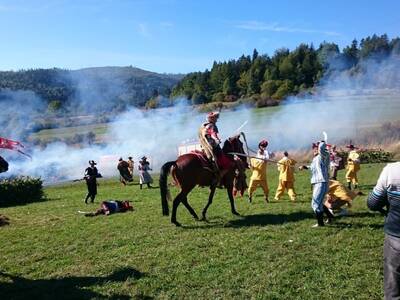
210,199
189,208
175,204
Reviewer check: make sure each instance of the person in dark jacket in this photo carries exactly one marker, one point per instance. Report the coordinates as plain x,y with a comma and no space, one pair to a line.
385,197
91,175
123,168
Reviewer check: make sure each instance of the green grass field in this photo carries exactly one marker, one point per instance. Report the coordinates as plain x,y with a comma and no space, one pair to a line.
50,251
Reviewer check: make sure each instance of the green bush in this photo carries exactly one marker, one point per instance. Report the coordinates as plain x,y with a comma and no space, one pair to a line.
370,156
375,156
20,190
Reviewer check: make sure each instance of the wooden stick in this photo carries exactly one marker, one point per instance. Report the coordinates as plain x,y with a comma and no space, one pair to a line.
249,156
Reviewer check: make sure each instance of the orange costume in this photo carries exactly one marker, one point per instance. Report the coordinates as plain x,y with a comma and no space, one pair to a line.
286,178
259,171
338,195
353,166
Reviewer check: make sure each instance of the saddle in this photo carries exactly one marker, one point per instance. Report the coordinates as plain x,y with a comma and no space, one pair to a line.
223,160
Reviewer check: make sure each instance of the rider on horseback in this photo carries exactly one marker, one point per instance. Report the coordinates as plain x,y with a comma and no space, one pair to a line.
210,140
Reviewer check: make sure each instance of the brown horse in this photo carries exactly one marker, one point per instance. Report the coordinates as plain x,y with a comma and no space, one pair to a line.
188,171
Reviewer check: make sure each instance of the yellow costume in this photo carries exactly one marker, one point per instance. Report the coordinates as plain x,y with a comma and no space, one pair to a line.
258,177
286,178
353,166
338,195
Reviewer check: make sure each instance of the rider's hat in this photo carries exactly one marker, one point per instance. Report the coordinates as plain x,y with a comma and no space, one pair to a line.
214,115
263,143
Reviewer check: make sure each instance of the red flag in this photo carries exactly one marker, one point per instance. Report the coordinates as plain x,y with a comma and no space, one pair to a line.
12,145
9,144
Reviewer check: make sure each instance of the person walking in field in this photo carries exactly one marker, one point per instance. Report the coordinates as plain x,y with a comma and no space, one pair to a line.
91,175
286,177
335,162
131,166
124,174
144,175
258,166
353,166
319,181
386,194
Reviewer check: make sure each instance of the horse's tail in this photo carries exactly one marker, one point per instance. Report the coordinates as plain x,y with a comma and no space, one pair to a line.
164,172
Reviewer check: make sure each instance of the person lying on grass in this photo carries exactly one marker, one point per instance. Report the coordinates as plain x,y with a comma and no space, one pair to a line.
109,207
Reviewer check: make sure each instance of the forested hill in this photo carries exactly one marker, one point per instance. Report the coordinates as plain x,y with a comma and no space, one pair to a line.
265,80
90,88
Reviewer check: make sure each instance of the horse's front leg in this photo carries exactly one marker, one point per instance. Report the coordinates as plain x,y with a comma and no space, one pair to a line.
189,208
210,199
229,189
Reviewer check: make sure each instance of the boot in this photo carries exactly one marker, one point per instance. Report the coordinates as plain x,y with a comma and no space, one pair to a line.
329,215
355,186
349,185
216,180
320,220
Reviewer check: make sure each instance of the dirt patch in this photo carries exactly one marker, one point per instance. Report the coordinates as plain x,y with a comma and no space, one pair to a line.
4,220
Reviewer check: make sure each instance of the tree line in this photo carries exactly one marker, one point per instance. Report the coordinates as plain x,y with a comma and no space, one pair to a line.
266,80
102,89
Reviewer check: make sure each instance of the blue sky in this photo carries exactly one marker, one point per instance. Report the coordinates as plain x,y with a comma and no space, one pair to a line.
177,36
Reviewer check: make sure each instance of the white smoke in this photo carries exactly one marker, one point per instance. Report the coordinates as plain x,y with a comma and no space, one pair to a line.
18,109
343,106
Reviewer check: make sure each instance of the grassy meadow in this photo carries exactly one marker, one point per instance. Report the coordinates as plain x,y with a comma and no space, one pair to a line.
50,251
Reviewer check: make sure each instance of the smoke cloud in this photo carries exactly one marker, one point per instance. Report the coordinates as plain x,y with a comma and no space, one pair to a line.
343,105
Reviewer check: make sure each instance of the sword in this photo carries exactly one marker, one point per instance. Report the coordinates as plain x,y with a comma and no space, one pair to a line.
241,126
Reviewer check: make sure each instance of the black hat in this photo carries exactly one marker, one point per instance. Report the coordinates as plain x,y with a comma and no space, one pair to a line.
92,162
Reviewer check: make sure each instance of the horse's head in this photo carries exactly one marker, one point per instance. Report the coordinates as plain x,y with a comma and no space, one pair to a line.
3,165
234,144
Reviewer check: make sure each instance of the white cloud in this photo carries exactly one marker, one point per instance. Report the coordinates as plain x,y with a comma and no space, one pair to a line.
166,24
143,30
261,26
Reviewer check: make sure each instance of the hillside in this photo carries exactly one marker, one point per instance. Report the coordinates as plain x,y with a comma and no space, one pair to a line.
73,90
265,80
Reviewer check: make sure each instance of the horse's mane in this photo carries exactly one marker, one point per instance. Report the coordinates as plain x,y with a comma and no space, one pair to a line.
234,144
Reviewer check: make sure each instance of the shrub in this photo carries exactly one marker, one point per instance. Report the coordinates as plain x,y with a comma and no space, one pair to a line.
370,156
20,190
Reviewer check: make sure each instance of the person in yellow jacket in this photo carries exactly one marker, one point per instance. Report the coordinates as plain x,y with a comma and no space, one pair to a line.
286,177
338,196
258,166
353,166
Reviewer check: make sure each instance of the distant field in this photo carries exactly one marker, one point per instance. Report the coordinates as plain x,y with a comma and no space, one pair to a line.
47,134
49,251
